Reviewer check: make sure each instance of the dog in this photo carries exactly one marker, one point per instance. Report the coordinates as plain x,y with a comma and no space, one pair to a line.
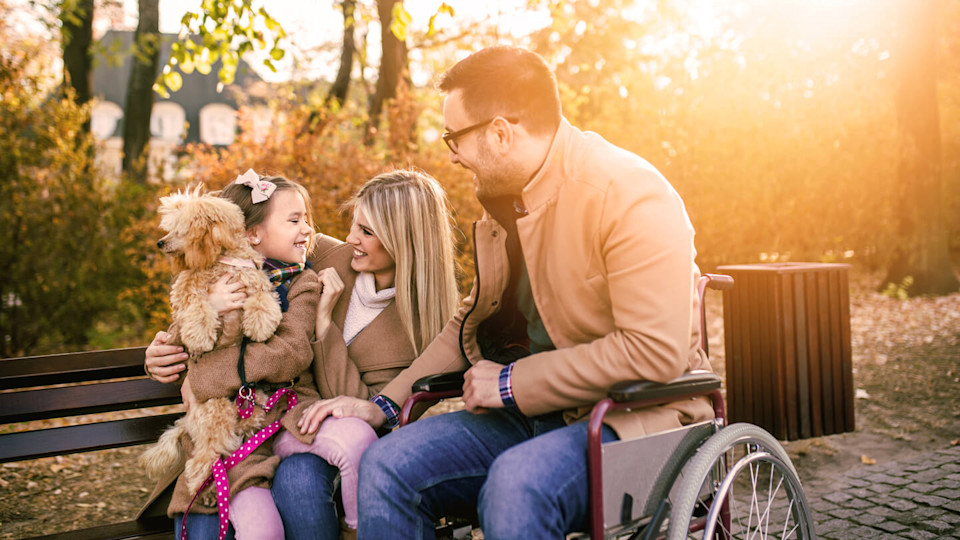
206,239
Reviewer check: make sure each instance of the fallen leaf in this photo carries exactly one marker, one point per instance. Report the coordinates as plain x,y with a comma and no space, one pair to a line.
955,442
866,460
56,467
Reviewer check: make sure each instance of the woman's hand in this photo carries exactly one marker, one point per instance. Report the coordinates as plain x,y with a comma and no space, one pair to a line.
226,296
330,288
162,362
340,407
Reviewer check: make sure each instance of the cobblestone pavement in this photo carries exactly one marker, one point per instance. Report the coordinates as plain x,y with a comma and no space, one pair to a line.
914,499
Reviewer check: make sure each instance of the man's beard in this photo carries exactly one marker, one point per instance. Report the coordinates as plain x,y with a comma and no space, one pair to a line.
496,179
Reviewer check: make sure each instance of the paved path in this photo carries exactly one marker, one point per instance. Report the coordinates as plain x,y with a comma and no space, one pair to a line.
915,499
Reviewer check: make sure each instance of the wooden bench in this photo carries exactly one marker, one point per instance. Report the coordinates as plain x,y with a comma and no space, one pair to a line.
64,385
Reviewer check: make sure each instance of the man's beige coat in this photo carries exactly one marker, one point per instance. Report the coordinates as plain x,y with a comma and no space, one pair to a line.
609,250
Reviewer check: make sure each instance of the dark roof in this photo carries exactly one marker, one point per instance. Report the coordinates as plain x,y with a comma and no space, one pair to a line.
110,79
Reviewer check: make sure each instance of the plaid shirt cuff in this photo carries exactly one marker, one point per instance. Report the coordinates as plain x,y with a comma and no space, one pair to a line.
506,386
389,408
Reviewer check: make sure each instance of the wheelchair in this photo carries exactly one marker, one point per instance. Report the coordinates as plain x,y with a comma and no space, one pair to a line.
705,480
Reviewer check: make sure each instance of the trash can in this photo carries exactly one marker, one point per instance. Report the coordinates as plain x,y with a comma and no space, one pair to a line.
789,367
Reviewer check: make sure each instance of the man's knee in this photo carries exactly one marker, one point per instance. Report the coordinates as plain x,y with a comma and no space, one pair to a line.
376,462
510,483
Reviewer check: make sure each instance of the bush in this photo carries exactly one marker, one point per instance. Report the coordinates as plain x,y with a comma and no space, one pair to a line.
65,231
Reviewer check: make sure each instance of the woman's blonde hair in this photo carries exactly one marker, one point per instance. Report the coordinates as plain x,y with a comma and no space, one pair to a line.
408,212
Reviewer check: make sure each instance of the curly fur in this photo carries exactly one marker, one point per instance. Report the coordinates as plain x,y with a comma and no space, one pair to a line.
201,230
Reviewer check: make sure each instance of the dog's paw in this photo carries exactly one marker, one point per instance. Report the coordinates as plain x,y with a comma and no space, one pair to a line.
261,318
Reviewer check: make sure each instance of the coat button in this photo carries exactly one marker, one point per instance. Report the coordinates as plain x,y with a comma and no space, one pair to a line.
494,303
494,234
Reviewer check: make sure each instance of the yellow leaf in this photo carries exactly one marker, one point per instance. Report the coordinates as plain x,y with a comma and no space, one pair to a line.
866,460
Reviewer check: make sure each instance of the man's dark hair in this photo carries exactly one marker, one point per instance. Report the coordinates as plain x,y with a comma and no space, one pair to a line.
508,82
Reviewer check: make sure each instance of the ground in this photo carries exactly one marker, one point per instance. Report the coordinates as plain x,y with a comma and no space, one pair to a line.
906,360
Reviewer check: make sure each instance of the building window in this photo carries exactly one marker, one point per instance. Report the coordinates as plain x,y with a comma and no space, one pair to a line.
167,121
218,124
104,118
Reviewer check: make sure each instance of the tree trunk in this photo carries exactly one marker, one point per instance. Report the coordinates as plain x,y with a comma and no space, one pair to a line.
393,64
341,86
139,104
922,260
77,59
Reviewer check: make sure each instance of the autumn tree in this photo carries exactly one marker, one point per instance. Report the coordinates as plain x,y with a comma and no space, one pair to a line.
393,62
921,262
341,85
140,95
76,18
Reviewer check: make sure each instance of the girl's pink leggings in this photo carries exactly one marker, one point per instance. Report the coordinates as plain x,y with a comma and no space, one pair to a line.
341,442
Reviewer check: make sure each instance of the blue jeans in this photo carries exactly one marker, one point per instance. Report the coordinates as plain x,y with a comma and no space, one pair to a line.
527,477
200,527
303,489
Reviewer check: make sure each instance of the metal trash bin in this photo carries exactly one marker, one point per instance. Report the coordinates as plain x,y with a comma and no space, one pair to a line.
789,366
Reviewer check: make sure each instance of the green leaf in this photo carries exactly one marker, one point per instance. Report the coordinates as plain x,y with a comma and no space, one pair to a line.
277,54
173,80
400,21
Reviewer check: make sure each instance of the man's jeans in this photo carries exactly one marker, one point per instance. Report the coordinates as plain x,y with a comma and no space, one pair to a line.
527,477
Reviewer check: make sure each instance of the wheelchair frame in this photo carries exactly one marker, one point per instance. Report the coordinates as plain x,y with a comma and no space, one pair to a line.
705,482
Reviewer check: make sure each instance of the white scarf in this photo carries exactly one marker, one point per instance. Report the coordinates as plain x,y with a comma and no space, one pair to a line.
365,304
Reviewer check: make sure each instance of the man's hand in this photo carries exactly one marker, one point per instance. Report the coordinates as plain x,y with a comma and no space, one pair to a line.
481,387
340,407
164,362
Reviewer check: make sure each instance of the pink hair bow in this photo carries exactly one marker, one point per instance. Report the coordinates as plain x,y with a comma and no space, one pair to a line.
260,190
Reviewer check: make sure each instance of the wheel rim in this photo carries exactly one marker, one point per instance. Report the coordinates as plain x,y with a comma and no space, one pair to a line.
757,500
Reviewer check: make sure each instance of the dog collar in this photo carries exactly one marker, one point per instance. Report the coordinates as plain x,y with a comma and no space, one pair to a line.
242,263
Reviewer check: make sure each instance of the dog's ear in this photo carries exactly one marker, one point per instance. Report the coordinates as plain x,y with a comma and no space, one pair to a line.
201,249
225,235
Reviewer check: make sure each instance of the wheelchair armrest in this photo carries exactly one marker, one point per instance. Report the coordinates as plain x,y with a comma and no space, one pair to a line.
441,382
718,282
692,383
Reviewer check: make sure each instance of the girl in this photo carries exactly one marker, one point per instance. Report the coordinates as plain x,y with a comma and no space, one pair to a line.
277,218
386,294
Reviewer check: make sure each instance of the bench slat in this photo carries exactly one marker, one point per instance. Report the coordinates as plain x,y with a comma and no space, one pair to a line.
83,438
155,528
70,367
44,403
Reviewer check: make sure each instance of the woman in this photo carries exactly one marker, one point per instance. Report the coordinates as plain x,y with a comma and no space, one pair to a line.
401,238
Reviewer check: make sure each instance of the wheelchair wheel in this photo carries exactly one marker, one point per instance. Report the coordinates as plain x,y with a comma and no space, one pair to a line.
740,484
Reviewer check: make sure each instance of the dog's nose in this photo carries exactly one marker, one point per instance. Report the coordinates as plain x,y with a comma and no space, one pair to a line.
160,244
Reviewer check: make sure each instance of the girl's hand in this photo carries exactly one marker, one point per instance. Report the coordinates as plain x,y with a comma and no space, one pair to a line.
340,407
162,362
330,288
226,296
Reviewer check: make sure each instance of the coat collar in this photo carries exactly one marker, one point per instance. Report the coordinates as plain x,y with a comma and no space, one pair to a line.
547,181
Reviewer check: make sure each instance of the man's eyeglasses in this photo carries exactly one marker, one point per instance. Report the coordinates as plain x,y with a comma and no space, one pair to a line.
450,137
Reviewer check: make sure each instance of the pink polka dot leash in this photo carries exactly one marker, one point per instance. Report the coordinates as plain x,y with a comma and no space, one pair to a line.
220,466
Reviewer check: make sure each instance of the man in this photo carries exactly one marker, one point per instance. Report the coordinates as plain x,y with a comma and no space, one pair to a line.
585,259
